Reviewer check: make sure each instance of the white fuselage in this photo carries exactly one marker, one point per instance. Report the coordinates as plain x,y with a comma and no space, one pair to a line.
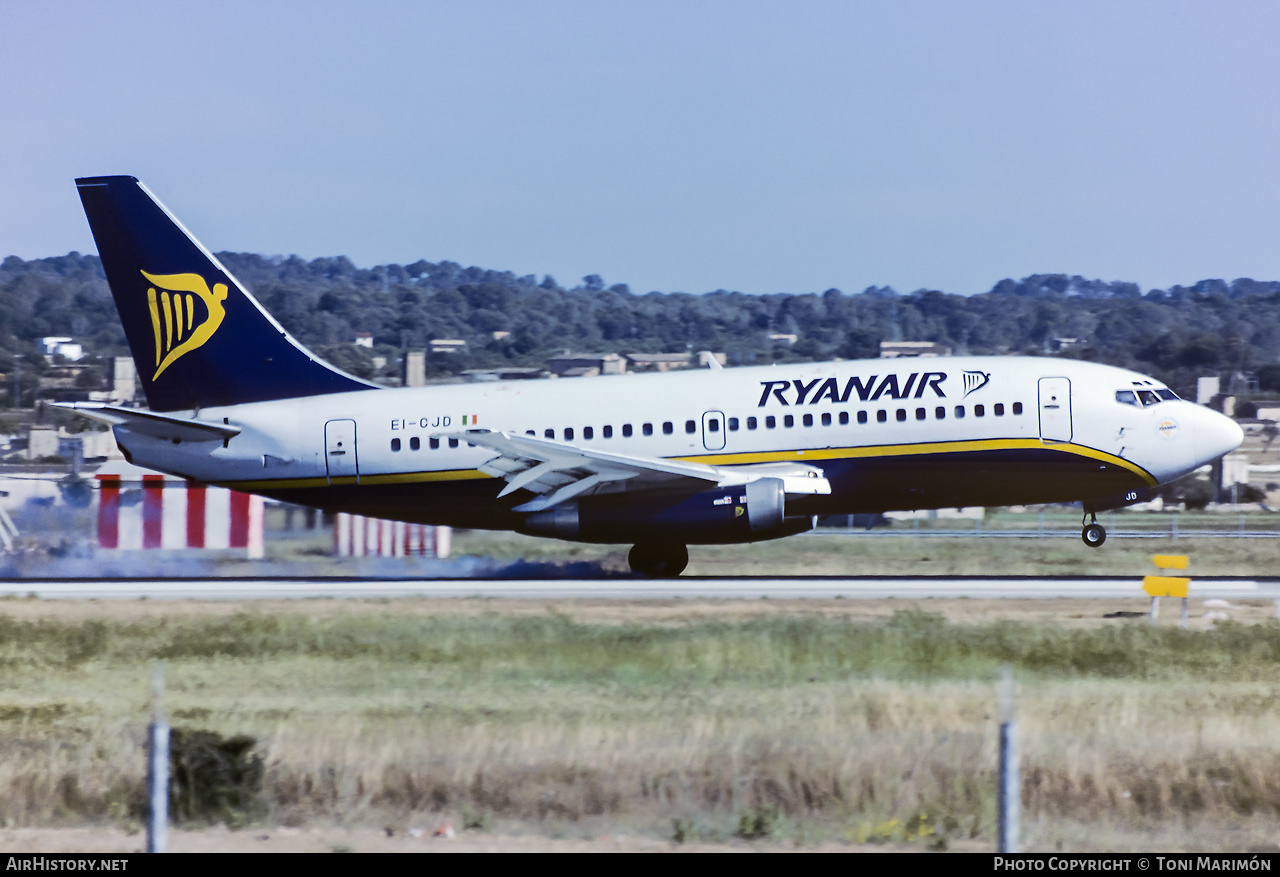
889,433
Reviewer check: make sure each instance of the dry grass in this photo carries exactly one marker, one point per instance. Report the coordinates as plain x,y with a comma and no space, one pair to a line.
819,721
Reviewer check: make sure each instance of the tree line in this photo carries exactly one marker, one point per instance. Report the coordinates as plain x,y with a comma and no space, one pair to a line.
1175,334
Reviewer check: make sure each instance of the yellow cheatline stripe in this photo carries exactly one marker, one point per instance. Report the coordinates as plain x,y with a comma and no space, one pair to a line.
871,451
921,449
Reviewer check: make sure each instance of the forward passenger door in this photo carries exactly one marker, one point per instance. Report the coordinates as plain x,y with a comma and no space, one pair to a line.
1055,410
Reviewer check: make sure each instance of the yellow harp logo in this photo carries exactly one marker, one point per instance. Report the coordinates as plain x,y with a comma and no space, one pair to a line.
172,301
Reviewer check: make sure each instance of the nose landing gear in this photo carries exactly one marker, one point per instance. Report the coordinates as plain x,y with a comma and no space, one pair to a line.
1093,533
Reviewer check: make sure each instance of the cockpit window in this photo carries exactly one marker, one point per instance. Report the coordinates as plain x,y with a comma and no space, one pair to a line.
1143,398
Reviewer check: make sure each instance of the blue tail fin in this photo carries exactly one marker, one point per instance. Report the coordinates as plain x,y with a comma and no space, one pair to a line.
198,338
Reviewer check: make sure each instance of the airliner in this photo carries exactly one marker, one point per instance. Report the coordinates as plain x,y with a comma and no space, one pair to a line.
656,461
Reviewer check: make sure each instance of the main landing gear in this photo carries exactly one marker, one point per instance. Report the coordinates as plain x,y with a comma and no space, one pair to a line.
657,560
1093,533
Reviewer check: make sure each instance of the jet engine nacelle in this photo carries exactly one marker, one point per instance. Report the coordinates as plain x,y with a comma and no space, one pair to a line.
748,512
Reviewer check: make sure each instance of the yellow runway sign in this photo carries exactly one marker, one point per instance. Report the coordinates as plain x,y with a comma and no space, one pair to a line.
1166,586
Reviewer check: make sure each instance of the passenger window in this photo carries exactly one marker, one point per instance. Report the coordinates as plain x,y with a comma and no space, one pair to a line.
862,417
826,419
940,413
606,431
998,409
979,411
901,415
395,444
770,422
1017,407
433,443
807,420
751,423
568,433
882,416
959,412
647,429
691,426
530,432
626,430
920,415
415,443
453,443
788,421
713,425
588,432
550,433
733,424
844,418
667,427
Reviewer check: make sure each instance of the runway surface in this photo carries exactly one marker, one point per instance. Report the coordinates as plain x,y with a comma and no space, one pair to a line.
623,589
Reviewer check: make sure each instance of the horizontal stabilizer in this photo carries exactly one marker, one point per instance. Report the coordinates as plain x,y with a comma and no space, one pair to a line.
150,423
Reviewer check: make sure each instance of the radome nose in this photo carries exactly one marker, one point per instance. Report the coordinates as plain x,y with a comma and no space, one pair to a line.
1215,435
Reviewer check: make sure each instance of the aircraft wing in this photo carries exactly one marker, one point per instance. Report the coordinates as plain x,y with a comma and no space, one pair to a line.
558,472
163,426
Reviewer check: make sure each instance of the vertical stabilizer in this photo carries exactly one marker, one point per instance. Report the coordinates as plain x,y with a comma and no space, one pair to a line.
199,339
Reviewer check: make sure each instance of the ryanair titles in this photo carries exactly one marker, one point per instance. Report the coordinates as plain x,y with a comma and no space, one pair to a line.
868,389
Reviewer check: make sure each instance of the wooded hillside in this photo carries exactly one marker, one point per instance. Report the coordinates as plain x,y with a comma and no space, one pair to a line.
1174,334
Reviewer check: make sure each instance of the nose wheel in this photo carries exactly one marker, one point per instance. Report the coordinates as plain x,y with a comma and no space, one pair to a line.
1093,534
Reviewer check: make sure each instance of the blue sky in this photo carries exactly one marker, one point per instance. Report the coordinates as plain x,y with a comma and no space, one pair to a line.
689,146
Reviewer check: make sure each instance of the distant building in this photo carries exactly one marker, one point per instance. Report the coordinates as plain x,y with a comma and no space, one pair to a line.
447,345
49,441
61,345
124,380
480,375
582,365
902,349
664,362
42,441
784,338
415,368
364,339
1207,388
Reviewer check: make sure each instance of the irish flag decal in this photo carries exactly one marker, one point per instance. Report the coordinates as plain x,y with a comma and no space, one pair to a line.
469,419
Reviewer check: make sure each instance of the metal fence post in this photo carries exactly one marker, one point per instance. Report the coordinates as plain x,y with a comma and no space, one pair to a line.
158,768
1010,790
